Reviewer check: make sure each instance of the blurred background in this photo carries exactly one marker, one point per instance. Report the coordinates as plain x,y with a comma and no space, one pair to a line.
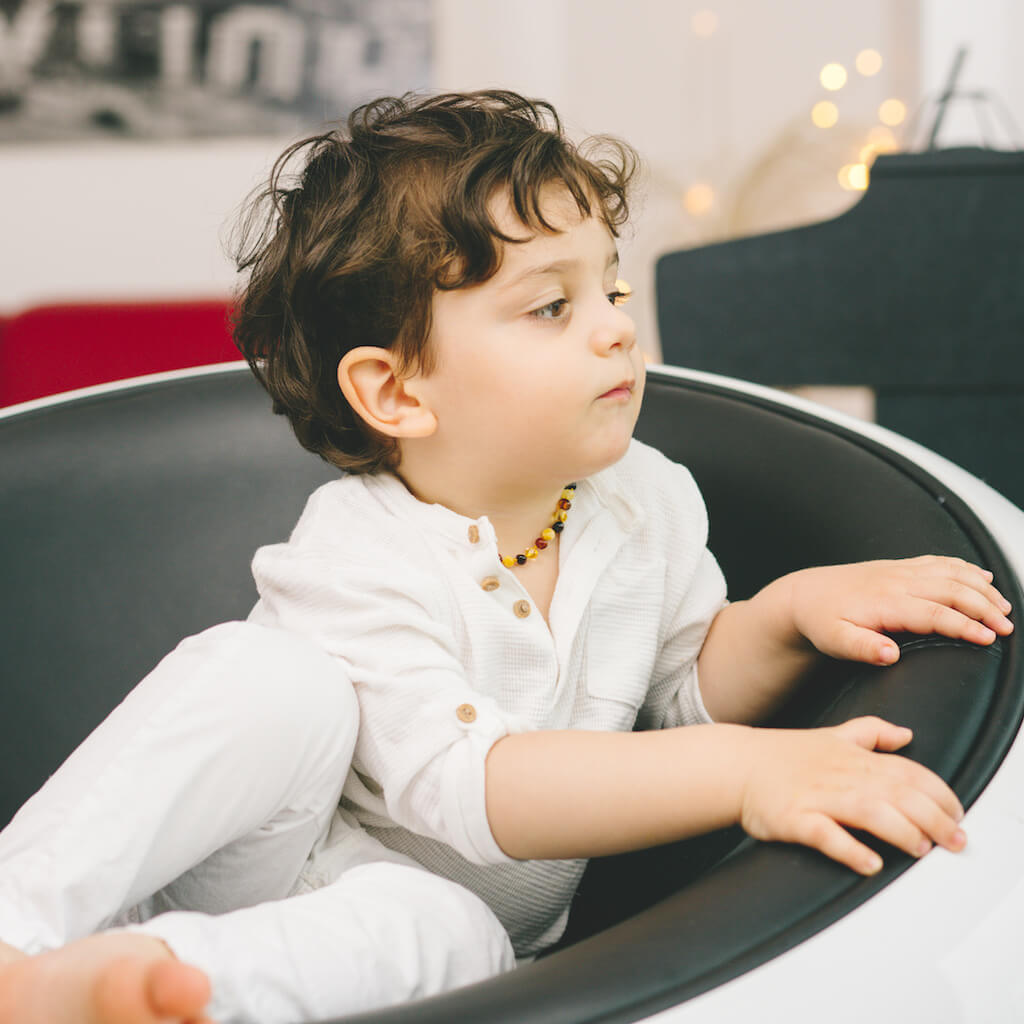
130,130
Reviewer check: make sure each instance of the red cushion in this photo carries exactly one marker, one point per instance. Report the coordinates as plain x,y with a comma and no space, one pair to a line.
57,348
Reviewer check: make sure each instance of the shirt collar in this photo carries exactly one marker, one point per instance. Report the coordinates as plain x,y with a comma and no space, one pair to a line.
606,488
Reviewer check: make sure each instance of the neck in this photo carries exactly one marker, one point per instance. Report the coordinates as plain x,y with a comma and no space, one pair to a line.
517,509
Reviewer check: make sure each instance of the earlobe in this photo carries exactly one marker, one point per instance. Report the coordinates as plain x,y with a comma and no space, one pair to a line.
381,398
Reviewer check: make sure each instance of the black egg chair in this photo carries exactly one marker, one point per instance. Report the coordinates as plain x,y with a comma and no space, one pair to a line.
117,501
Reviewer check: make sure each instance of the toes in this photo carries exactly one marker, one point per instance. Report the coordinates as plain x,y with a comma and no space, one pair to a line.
177,990
135,990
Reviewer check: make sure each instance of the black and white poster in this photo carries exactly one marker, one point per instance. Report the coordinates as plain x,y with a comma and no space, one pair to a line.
92,69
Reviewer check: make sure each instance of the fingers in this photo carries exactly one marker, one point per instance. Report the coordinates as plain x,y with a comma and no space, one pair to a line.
858,643
873,733
858,786
962,586
947,606
822,833
905,818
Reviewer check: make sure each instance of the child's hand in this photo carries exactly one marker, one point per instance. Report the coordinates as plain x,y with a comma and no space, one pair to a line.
844,610
802,786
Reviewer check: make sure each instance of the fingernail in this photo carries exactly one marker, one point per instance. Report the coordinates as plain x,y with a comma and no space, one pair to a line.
959,838
924,847
873,864
887,655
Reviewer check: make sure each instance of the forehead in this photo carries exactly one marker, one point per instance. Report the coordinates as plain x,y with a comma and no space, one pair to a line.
576,233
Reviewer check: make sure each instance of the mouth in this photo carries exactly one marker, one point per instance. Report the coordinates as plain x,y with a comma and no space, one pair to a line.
622,390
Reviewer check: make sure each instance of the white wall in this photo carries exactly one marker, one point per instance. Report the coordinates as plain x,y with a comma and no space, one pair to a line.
992,31
142,219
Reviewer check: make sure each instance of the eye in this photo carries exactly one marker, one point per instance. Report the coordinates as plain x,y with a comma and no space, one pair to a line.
621,295
552,311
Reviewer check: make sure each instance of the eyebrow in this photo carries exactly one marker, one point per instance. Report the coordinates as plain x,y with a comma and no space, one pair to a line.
558,267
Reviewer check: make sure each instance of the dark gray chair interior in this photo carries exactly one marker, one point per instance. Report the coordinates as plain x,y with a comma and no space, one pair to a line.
917,291
128,521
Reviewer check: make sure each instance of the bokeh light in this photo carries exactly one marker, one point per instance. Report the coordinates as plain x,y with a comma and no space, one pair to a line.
880,140
869,62
853,177
704,23
825,114
833,76
892,112
699,199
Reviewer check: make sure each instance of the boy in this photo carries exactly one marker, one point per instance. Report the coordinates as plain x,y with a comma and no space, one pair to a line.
510,583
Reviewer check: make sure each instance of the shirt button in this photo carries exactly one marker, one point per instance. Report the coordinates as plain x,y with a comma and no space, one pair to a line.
466,713
474,534
490,583
521,608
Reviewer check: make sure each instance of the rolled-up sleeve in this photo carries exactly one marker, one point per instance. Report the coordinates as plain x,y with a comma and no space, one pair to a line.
694,593
675,697
425,731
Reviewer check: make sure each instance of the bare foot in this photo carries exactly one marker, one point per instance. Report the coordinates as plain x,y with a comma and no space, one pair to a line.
115,978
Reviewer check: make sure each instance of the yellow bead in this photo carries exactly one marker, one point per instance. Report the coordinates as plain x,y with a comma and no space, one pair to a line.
568,495
547,534
530,552
508,561
562,516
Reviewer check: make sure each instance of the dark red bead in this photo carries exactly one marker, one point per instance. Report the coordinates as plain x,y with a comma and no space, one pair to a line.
564,503
540,543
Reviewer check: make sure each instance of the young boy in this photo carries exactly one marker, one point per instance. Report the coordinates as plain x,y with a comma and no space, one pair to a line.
510,583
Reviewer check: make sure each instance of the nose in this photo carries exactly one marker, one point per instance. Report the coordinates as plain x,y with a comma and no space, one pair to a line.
614,330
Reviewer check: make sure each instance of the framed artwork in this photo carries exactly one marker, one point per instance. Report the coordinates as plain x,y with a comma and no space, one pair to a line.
173,69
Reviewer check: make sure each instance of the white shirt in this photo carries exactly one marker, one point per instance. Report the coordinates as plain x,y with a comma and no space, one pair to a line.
444,666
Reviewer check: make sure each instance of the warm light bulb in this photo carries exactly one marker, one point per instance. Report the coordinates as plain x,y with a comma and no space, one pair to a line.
825,114
858,177
880,144
704,24
892,112
833,76
853,177
869,62
698,199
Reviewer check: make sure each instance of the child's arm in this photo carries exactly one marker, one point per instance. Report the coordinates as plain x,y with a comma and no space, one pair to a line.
579,794
757,649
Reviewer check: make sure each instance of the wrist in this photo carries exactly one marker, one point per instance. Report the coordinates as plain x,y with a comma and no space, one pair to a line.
780,611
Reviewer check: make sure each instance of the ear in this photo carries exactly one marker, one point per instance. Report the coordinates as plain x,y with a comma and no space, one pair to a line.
388,403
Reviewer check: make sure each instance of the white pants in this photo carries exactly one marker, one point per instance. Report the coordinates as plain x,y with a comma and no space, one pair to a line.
204,810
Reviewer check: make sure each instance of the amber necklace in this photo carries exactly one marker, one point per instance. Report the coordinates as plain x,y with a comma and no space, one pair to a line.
547,535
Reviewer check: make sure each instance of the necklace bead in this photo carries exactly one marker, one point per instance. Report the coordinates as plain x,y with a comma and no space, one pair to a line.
548,534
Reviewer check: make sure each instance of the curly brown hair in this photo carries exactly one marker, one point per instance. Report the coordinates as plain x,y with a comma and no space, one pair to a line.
381,215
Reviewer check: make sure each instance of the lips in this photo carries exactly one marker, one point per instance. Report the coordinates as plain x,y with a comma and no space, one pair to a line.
625,387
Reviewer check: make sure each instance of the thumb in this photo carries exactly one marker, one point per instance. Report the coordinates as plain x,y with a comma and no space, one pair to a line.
857,643
873,733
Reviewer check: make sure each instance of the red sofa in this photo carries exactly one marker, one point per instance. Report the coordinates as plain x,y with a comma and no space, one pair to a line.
54,348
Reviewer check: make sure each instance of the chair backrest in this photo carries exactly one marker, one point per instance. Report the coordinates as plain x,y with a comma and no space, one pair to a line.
916,292
49,349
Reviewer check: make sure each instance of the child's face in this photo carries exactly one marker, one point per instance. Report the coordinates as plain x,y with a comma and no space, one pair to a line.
538,375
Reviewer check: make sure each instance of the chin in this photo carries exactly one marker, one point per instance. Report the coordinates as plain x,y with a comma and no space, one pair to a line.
605,456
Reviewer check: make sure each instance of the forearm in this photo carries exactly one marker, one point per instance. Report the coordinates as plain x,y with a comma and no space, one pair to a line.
565,794
752,657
